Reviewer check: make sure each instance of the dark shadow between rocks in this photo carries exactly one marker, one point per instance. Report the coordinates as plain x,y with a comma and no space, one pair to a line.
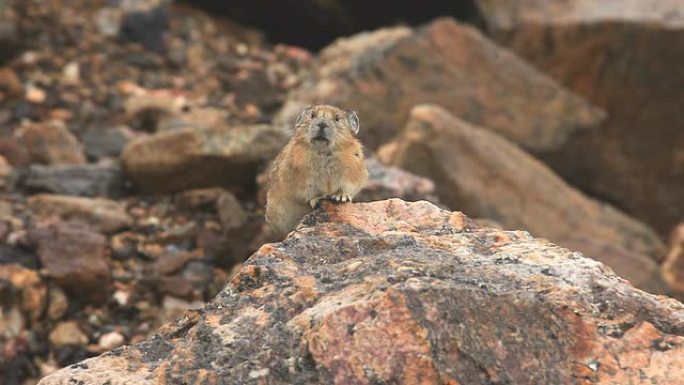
314,24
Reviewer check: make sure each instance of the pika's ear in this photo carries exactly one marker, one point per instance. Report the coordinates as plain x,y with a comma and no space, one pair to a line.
302,115
354,122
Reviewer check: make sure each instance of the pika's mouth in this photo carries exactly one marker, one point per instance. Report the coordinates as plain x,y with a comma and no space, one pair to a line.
320,139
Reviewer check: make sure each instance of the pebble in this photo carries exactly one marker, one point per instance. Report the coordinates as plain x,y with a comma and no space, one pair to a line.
111,340
35,95
67,333
57,303
121,297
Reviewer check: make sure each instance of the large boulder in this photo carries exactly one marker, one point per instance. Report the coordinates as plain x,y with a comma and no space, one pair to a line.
384,73
486,176
406,293
625,57
190,158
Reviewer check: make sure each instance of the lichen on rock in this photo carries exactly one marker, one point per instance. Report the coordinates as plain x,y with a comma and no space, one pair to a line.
407,293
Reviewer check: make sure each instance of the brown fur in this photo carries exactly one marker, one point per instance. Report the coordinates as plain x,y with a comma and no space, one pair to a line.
308,170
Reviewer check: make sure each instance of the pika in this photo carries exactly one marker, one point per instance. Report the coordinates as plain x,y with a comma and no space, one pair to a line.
323,160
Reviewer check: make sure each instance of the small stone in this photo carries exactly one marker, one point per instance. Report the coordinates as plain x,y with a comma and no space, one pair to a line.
67,333
259,373
121,297
9,254
14,152
35,95
230,211
71,73
174,307
110,341
146,27
47,368
50,143
106,142
10,83
12,322
29,291
200,198
57,303
5,172
242,49
61,114
75,258
108,21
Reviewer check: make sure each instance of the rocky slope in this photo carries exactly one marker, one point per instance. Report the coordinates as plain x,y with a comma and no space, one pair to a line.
406,293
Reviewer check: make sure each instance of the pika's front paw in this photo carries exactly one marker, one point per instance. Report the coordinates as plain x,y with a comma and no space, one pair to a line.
341,198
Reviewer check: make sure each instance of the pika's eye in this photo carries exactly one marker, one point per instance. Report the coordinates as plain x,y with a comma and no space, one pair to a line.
337,118
312,114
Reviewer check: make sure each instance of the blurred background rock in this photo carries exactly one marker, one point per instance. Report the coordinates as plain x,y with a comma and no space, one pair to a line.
134,135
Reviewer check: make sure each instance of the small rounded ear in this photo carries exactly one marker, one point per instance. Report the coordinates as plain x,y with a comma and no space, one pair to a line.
354,122
302,115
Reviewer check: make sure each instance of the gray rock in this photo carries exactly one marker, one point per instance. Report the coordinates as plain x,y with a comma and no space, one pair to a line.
90,180
105,142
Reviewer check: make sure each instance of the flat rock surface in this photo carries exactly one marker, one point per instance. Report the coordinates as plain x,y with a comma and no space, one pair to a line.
406,293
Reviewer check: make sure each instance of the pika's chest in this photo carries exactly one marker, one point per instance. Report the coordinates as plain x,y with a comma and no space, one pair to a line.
325,174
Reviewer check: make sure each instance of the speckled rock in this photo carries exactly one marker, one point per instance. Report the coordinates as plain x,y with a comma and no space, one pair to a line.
486,176
626,57
200,157
406,293
384,73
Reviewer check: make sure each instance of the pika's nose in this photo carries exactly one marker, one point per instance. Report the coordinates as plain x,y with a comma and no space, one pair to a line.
322,125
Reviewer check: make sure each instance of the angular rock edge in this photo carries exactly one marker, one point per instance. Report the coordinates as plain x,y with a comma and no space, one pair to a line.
406,293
